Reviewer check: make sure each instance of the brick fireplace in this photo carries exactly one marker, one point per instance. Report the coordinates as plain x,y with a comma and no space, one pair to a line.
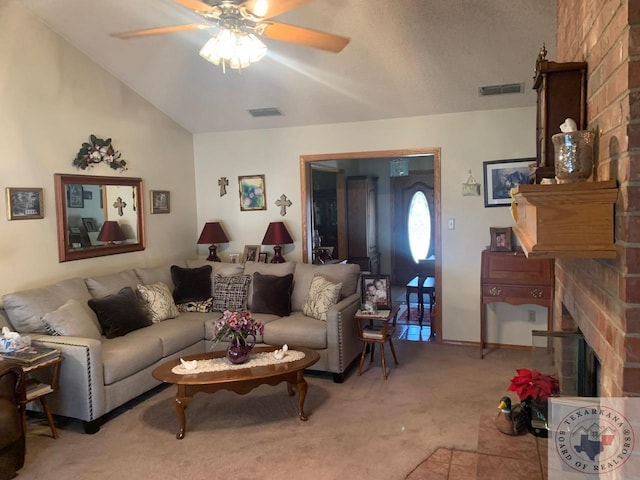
602,296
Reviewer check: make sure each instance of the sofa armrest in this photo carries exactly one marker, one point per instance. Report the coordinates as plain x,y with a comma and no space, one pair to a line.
80,390
343,342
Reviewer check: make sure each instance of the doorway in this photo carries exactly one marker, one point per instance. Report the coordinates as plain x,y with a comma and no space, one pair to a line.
343,159
412,223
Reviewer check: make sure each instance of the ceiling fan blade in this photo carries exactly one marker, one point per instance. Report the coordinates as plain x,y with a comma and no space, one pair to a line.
273,7
160,30
195,5
304,36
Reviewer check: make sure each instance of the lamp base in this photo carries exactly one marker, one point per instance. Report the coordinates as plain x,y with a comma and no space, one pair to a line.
213,256
277,255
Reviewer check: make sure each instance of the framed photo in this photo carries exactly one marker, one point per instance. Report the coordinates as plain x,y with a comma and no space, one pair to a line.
24,203
500,239
75,196
90,224
376,291
251,253
234,257
500,176
87,195
160,201
253,195
262,258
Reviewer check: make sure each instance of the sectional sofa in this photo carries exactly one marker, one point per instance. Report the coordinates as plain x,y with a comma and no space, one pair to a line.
105,367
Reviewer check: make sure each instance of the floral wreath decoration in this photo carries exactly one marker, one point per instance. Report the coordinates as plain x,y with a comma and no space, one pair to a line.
99,151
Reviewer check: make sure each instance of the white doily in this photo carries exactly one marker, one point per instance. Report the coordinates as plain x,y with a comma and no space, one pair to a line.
261,359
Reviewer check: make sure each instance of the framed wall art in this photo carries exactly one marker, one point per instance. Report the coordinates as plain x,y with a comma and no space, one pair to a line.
500,176
376,291
160,201
24,203
500,239
75,196
251,253
90,224
253,194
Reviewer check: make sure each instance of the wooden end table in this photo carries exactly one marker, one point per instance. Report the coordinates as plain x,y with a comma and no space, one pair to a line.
241,381
37,389
377,329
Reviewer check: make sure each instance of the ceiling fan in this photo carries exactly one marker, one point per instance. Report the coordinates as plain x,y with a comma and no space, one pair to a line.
239,23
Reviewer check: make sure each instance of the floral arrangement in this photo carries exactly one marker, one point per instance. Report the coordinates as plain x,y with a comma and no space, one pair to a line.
533,384
99,151
237,326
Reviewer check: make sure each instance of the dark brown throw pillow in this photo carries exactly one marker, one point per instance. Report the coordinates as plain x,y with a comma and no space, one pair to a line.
120,313
191,284
272,294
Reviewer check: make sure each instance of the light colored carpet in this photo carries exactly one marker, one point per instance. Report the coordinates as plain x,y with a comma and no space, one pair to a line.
365,428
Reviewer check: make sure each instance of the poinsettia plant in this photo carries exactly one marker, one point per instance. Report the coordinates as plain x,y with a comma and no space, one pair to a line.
97,151
237,327
533,384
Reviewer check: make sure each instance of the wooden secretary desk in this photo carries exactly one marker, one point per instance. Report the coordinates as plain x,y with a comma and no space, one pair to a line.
511,277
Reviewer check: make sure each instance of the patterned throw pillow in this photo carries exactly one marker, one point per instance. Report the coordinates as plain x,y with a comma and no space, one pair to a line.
159,301
203,306
230,293
322,295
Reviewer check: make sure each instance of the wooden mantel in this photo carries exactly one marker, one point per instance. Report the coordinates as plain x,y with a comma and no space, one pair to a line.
566,220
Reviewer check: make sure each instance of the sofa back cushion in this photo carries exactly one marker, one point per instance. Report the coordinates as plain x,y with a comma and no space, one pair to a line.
162,273
272,294
104,285
191,284
218,268
120,313
25,309
347,274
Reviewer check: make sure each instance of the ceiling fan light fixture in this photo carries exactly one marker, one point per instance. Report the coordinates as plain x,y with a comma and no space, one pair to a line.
235,48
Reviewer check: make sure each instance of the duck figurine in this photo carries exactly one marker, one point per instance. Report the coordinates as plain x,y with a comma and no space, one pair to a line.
189,364
281,353
511,421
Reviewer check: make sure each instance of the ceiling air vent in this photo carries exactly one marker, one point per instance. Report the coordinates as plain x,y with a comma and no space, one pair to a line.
501,89
265,112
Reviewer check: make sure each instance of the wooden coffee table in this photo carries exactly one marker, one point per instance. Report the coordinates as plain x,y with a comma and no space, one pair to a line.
241,381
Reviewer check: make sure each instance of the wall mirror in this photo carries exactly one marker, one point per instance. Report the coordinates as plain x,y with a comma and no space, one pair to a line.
84,203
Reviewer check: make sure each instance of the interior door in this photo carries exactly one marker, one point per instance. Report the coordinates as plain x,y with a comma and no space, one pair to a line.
404,191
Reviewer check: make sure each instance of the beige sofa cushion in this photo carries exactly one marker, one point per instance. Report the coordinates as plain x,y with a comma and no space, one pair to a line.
25,309
71,320
126,355
100,287
297,330
346,274
162,273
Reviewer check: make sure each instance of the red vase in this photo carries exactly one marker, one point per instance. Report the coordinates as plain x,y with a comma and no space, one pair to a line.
240,350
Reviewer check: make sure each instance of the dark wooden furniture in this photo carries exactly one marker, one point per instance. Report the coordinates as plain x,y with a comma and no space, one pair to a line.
562,92
12,432
362,230
377,330
428,287
241,381
42,379
513,278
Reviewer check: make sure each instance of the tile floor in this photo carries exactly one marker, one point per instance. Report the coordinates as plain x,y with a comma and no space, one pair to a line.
499,457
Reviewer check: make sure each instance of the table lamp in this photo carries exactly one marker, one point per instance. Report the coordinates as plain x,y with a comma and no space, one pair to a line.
277,235
213,233
111,232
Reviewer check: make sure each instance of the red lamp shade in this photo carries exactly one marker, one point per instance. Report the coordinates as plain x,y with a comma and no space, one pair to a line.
111,232
213,233
277,235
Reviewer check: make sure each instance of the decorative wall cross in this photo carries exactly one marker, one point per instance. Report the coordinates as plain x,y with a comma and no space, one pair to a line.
223,182
283,203
119,204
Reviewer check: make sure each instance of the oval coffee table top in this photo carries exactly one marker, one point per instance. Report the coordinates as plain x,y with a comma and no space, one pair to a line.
163,373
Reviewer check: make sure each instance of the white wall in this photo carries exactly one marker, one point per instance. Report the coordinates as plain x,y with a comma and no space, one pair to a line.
52,98
466,139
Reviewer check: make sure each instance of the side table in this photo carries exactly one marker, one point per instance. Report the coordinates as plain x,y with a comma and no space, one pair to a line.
377,328
37,389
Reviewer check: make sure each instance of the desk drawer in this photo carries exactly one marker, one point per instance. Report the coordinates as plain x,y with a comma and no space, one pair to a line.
516,294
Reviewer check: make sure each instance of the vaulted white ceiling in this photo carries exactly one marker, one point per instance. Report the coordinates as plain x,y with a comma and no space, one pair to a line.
405,58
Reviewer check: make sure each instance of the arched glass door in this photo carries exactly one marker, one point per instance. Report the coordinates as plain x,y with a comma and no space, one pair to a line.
419,226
